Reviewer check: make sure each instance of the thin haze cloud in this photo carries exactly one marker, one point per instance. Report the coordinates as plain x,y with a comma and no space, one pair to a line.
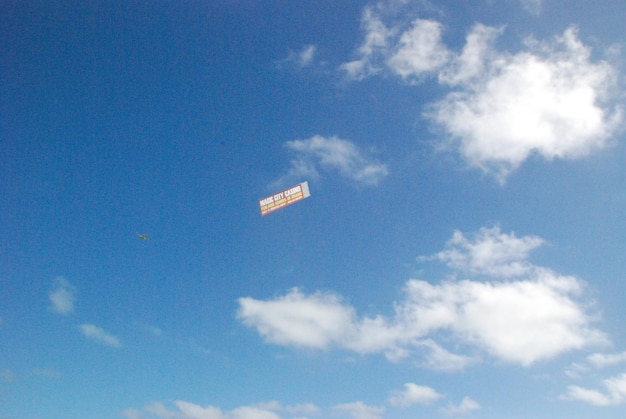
99,335
186,410
62,297
467,405
360,410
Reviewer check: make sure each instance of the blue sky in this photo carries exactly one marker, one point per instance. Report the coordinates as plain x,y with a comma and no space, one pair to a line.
461,254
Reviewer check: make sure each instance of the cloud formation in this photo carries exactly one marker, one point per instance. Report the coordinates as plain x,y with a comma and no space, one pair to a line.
99,335
300,59
545,101
360,410
62,297
491,253
550,99
522,320
614,393
600,360
414,394
187,410
375,44
467,405
333,154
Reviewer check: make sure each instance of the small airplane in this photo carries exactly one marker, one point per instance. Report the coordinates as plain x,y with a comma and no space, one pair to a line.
142,236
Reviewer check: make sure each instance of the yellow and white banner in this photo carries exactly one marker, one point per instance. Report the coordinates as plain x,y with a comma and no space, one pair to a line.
283,198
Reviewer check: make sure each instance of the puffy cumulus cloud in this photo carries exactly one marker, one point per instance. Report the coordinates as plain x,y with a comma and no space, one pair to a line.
550,99
521,321
333,154
360,410
410,52
614,393
419,51
546,101
99,335
414,394
62,297
187,410
467,405
491,252
313,321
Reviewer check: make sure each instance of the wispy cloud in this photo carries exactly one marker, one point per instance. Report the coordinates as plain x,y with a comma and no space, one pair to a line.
333,154
186,410
62,297
360,410
375,44
550,99
520,321
414,394
593,363
467,405
600,360
99,335
302,58
614,393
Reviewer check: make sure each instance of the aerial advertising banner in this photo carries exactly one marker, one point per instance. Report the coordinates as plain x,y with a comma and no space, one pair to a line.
283,198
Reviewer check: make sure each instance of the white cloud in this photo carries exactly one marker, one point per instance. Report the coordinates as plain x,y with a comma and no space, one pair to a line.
614,394
467,405
475,56
99,335
520,321
313,321
419,50
550,99
359,410
545,101
186,410
376,42
409,52
62,297
301,59
333,154
594,361
439,358
599,360
414,394
491,252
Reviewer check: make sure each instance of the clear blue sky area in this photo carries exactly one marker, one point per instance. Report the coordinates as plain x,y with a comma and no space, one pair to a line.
461,253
